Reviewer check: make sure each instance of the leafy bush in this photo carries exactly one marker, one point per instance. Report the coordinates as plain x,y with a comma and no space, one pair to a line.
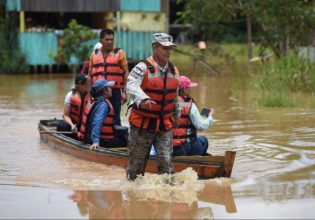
12,60
76,42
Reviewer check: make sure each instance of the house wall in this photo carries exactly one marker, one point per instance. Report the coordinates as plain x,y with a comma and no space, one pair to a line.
134,21
13,5
136,44
37,46
143,21
140,5
103,20
144,15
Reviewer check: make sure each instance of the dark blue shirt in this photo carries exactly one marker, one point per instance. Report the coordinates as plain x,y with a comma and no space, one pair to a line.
98,114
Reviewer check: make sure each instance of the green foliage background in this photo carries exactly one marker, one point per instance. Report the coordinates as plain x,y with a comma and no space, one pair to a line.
78,41
12,60
276,24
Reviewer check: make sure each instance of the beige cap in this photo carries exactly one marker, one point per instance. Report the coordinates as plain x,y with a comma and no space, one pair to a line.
163,39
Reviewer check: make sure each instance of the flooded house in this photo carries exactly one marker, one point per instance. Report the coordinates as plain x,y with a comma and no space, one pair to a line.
41,25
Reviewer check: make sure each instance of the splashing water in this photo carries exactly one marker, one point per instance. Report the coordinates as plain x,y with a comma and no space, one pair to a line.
182,187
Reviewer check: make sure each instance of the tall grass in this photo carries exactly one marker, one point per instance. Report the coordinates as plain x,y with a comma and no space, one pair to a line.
289,74
280,81
275,99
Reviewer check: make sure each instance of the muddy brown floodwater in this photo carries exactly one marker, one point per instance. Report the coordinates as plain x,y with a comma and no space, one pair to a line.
273,175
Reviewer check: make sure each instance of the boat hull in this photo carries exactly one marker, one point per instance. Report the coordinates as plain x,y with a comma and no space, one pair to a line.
205,166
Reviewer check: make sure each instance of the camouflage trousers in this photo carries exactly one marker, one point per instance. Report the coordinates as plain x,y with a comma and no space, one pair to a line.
139,146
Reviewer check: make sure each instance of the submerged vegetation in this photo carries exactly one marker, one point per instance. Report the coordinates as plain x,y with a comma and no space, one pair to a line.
277,82
281,80
289,74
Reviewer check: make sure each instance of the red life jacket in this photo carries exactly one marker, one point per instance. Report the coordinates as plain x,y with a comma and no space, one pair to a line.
180,133
163,91
109,68
107,129
77,106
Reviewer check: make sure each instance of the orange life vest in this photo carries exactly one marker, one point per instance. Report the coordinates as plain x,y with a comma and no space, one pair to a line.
107,129
163,91
108,68
77,106
180,133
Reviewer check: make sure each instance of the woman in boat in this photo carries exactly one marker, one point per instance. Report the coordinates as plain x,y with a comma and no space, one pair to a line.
75,102
185,139
97,126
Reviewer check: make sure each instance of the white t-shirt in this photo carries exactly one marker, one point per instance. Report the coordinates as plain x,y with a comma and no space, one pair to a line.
68,98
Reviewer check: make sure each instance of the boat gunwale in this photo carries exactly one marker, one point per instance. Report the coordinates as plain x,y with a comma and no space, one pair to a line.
76,144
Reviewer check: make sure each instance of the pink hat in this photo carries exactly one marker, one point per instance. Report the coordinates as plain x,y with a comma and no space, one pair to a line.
184,82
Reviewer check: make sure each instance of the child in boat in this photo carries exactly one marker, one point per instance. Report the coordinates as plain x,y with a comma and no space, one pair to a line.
185,139
97,126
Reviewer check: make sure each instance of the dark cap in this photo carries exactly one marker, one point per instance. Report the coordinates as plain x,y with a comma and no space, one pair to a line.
80,78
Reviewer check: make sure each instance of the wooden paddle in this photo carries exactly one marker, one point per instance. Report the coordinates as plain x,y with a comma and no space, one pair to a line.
56,132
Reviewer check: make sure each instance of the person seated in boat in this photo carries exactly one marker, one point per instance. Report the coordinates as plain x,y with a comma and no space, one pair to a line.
185,139
85,67
97,126
74,104
86,64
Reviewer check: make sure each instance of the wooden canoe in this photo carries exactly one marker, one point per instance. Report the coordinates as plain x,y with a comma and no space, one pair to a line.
206,166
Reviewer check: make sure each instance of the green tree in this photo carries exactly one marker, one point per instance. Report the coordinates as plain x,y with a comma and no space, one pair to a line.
208,17
284,24
280,24
12,60
77,41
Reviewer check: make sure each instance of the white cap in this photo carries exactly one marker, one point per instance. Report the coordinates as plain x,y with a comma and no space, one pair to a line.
97,46
163,39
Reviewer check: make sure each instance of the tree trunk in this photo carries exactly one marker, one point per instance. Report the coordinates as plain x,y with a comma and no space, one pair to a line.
249,35
249,40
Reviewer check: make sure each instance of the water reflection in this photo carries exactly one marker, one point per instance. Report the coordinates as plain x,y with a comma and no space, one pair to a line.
273,170
139,203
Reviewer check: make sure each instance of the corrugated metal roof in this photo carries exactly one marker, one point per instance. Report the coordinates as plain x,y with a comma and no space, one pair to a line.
69,5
